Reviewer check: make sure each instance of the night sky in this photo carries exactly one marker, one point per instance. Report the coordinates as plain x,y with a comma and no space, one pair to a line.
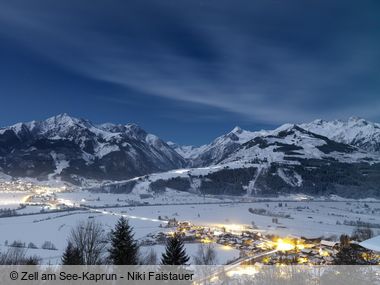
190,70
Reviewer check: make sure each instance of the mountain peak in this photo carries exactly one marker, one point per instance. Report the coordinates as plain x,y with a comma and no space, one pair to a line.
319,122
62,118
285,127
62,122
133,126
354,131
237,130
358,121
103,152
63,115
355,119
172,144
135,129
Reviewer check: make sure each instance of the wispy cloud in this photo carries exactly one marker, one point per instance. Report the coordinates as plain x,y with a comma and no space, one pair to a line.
271,71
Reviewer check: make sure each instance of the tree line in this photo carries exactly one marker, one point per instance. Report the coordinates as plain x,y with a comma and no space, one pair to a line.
87,245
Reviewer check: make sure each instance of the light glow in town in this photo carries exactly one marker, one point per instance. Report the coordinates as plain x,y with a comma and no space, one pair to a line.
284,245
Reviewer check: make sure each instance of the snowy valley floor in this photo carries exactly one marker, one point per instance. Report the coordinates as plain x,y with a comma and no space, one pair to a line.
296,218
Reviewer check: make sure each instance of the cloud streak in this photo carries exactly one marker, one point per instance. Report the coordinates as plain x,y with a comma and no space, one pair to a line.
255,60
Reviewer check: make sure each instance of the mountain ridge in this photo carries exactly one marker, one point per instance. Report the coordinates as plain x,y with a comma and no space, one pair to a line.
89,150
368,140
289,159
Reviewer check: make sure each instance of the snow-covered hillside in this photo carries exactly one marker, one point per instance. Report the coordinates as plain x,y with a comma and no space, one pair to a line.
75,149
218,149
188,152
355,131
321,157
289,143
288,159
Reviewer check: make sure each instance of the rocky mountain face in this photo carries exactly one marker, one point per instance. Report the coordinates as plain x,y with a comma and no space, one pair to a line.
291,143
355,131
188,152
290,159
222,147
287,160
71,149
317,158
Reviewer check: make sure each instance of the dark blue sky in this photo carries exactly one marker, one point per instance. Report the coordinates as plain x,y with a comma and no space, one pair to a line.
190,70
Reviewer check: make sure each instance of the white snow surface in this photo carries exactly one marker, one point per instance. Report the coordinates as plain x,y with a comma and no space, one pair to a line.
60,164
308,144
307,218
354,131
187,151
97,141
372,243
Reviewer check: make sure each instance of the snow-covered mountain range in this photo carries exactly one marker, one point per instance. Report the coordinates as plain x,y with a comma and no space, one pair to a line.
63,147
321,157
289,159
355,132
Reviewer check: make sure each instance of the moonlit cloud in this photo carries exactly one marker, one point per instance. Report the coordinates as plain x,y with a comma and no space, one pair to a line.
266,61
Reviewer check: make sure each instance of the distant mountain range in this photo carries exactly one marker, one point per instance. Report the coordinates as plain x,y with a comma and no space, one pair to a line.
74,149
317,158
355,132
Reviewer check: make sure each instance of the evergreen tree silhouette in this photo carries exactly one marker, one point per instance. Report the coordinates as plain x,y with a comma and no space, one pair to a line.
175,253
71,256
124,249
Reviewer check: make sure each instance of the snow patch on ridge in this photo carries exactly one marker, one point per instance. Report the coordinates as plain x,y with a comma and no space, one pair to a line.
292,179
60,164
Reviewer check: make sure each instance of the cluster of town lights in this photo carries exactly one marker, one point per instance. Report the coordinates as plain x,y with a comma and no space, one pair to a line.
288,244
283,245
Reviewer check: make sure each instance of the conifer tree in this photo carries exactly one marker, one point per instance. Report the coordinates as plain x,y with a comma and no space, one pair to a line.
348,254
175,253
124,249
71,255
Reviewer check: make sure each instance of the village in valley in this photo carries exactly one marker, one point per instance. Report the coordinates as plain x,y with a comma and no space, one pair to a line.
267,239
258,248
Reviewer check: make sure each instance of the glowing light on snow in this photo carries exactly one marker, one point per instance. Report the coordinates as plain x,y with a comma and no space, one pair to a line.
232,227
283,245
226,247
206,240
302,260
323,253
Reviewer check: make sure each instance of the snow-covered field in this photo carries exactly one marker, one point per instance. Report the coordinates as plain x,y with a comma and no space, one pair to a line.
298,218
107,199
310,219
55,227
12,199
